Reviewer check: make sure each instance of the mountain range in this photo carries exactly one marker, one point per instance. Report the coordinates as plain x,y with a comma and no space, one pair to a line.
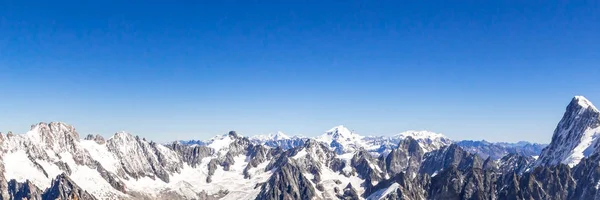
52,161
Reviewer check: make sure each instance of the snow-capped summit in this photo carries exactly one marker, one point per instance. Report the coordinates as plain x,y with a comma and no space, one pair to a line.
340,132
49,132
221,142
584,103
576,135
428,141
342,140
279,136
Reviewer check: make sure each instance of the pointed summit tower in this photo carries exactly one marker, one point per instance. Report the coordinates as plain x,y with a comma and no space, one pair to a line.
576,135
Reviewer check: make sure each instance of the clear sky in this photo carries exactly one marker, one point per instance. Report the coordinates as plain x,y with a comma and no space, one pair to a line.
494,70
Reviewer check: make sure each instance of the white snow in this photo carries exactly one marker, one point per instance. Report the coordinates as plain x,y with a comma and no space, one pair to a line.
194,179
347,159
19,167
584,148
585,103
90,180
349,140
380,194
101,154
220,144
302,153
328,178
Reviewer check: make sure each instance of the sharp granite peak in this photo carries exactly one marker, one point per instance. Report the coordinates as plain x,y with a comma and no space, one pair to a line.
576,135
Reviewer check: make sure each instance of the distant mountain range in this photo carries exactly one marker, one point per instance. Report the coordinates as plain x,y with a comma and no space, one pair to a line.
342,141
52,161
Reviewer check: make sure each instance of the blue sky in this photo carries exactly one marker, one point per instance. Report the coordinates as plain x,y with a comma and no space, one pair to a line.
500,71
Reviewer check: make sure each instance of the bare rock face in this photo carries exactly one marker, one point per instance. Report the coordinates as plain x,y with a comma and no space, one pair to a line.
140,158
287,183
349,193
406,158
24,190
3,185
361,162
111,178
64,188
257,154
447,157
515,163
191,155
96,138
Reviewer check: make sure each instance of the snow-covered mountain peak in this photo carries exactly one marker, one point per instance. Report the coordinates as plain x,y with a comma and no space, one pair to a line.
221,143
340,133
52,129
53,125
56,135
121,135
576,135
279,136
342,139
583,102
340,130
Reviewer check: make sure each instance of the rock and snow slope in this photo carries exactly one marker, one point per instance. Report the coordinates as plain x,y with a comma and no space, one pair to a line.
127,166
342,140
576,135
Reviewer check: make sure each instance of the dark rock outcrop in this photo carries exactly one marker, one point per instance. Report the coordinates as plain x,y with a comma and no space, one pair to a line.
287,183
24,190
96,138
447,157
406,158
192,155
64,188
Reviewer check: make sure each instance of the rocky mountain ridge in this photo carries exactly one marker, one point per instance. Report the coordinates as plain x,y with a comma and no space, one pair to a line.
52,162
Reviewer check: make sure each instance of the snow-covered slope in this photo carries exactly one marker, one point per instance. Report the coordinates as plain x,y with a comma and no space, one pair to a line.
576,135
127,166
342,140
